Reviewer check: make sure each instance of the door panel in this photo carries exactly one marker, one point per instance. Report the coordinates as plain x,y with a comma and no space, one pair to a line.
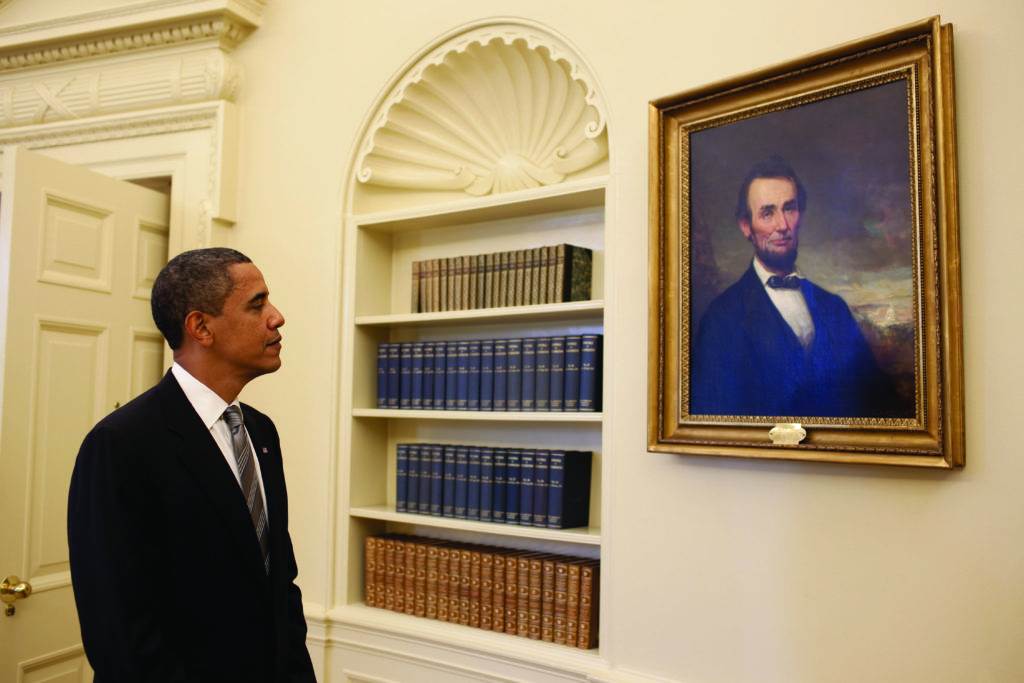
78,254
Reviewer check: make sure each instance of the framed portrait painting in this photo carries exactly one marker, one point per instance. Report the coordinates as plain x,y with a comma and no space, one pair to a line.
804,277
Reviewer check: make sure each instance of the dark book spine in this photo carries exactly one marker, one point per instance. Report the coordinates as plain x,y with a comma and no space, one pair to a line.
412,499
498,491
473,485
462,385
557,382
427,392
416,390
382,375
551,284
451,384
487,375
572,374
525,517
590,373
426,478
401,478
542,372
394,374
512,486
473,385
486,484
558,273
569,489
529,361
500,373
514,375
448,497
440,362
405,382
461,481
579,264
540,487
436,479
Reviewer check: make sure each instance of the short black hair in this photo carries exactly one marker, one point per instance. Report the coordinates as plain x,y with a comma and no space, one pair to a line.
772,167
196,280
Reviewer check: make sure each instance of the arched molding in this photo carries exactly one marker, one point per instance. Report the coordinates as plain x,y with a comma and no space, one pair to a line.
500,106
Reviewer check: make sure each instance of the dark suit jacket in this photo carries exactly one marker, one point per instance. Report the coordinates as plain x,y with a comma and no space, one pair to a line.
747,360
167,571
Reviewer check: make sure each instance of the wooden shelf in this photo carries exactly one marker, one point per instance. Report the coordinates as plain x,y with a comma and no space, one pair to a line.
570,311
581,194
475,416
583,535
455,635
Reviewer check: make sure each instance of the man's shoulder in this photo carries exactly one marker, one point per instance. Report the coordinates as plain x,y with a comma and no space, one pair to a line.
731,302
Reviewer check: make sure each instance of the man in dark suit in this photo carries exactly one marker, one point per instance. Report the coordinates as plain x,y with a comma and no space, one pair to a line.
181,562
774,343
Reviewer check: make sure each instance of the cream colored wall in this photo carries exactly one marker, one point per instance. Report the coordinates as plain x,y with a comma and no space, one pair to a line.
728,570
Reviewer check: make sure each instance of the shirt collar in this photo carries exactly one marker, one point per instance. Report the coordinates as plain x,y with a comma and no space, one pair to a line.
763,274
204,400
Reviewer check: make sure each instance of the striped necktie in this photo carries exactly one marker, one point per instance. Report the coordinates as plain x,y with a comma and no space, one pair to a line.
249,481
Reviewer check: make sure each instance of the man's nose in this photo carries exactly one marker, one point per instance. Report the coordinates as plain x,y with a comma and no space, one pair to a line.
276,319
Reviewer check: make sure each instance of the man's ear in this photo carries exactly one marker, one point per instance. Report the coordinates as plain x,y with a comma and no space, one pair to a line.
744,227
196,329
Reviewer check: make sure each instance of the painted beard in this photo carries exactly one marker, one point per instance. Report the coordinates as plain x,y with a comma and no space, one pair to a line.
783,262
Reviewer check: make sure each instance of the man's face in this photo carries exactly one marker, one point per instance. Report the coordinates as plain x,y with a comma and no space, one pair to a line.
774,222
245,334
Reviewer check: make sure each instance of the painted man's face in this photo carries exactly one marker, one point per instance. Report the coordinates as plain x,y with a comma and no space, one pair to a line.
774,222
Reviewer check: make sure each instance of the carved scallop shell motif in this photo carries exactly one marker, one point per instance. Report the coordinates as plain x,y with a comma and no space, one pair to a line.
493,116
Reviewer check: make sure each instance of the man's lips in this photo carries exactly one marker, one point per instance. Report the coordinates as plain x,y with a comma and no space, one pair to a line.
275,342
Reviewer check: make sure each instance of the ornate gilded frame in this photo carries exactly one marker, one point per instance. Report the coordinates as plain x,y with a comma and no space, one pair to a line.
921,53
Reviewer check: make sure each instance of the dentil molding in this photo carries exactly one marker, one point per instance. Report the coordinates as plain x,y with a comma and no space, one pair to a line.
499,108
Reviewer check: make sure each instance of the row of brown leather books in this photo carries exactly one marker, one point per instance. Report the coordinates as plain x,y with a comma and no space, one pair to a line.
541,275
553,598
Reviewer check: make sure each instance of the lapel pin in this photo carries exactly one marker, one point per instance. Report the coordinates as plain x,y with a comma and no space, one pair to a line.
264,450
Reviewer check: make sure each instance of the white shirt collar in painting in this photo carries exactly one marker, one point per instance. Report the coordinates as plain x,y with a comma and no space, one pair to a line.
791,305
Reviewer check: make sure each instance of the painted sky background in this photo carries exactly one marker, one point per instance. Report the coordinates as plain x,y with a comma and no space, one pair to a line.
851,153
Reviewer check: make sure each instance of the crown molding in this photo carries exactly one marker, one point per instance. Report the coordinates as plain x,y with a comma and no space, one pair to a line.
137,27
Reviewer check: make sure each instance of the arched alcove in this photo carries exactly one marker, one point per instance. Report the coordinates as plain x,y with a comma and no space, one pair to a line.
495,108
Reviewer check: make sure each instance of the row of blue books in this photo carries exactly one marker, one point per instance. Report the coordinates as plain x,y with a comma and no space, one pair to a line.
526,486
533,374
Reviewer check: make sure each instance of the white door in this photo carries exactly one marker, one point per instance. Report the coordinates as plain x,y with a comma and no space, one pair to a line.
78,254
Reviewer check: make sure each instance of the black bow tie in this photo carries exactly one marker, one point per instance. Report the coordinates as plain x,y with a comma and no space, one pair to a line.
788,282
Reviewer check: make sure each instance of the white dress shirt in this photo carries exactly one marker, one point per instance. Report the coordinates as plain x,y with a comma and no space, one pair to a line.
210,407
790,304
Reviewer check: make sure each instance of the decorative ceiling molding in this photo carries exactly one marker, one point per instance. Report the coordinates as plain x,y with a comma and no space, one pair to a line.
499,108
156,24
113,85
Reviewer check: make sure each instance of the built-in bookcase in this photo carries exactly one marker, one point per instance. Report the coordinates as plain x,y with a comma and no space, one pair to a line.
379,251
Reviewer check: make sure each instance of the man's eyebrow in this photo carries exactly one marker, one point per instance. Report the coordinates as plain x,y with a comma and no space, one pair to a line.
259,295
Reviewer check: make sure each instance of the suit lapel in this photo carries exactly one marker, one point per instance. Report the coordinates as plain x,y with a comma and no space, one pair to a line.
201,456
